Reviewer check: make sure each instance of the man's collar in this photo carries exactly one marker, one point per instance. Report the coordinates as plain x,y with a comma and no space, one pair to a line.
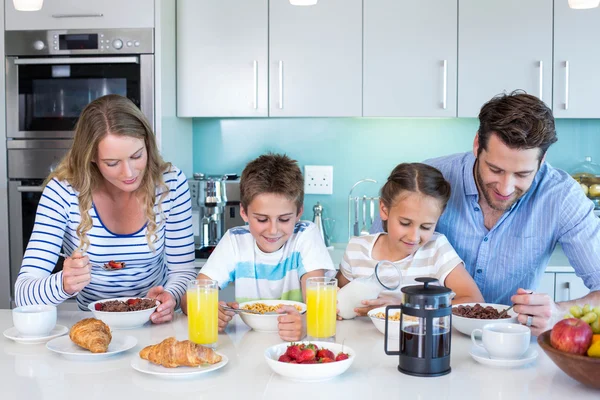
468,177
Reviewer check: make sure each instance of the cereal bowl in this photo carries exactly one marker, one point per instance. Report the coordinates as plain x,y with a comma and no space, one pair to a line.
309,372
466,325
122,319
377,315
266,322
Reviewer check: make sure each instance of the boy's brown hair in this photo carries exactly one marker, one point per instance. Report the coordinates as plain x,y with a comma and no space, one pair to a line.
272,173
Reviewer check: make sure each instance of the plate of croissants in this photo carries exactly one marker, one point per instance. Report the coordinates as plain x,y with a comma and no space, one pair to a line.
91,339
178,359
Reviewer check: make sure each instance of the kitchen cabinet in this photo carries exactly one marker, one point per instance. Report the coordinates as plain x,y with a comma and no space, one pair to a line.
315,59
503,45
82,14
547,284
569,287
410,56
222,58
576,83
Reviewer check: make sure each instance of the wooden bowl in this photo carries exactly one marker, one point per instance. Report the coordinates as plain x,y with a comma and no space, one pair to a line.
583,369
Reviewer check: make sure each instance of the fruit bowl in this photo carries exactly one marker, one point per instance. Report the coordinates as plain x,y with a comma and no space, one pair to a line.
583,369
125,319
266,322
467,325
309,372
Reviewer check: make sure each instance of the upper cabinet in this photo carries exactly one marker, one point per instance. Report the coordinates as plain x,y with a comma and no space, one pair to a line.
315,59
410,58
82,14
576,62
222,58
503,45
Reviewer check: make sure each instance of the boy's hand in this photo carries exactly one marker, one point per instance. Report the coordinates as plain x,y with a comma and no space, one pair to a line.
226,316
375,303
290,324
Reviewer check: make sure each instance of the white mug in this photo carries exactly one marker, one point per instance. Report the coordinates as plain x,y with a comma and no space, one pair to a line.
503,341
34,320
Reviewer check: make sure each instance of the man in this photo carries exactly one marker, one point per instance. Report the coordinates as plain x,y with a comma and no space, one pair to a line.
509,209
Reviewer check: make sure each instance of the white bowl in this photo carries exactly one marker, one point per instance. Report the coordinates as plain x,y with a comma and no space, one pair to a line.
309,372
266,322
466,325
125,319
34,320
393,326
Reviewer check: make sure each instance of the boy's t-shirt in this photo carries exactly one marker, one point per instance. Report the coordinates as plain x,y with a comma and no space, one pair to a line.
266,276
435,259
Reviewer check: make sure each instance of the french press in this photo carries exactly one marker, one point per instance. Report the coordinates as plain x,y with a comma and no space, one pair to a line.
425,329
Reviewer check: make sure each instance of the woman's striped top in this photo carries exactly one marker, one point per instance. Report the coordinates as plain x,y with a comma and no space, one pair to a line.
57,218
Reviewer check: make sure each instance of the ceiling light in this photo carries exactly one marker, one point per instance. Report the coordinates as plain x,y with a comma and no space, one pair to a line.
583,4
31,5
307,2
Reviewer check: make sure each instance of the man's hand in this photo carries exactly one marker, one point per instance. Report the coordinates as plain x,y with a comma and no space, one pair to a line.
539,306
77,273
226,316
290,324
378,302
164,312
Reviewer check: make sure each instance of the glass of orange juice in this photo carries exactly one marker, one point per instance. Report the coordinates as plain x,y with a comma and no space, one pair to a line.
321,305
203,311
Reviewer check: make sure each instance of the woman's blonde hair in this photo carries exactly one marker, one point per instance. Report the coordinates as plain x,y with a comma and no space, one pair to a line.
116,115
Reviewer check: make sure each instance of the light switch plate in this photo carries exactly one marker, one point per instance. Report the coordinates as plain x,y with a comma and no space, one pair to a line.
318,179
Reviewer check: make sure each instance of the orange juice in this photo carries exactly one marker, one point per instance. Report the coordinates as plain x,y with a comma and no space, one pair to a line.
203,315
321,311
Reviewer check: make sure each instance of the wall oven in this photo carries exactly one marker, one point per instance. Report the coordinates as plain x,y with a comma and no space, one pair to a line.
50,77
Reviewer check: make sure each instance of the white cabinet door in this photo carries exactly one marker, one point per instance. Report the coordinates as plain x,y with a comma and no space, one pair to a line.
222,58
576,62
410,55
503,45
315,59
547,284
569,287
82,14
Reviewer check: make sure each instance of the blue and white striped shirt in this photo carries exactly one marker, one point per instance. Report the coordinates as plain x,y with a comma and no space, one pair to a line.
57,218
515,252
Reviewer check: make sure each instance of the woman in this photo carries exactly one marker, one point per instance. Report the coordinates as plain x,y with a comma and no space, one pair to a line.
112,197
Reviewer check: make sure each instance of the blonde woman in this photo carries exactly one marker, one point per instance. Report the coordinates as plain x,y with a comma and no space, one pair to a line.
112,198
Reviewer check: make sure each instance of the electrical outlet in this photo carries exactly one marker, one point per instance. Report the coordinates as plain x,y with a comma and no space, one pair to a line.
318,179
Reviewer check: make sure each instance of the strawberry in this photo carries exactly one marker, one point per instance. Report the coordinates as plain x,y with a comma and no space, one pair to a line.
341,356
324,353
293,351
116,264
98,307
132,302
306,355
326,360
285,358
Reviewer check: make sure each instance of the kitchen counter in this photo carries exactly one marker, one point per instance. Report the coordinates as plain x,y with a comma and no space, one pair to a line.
33,372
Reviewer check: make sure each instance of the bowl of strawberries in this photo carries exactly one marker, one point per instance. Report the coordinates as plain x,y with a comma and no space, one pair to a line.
124,312
309,361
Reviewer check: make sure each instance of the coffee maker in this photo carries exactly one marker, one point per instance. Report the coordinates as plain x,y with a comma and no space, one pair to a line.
215,208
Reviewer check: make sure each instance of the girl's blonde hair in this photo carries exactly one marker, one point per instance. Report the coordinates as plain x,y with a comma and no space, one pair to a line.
116,115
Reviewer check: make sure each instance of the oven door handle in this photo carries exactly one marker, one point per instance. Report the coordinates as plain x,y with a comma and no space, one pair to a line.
30,189
80,60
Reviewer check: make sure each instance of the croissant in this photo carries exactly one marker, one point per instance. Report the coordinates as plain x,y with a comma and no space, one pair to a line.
91,334
170,353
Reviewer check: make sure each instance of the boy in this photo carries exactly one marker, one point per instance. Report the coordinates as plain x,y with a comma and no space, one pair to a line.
274,254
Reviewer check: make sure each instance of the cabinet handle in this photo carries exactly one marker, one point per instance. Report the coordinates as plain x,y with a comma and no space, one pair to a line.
445,85
541,79
566,85
568,287
255,65
94,15
281,84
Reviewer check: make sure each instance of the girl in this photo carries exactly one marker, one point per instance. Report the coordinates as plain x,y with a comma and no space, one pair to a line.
410,204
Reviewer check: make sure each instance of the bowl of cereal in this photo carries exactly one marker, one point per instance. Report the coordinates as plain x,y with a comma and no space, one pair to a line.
262,315
124,312
469,316
377,315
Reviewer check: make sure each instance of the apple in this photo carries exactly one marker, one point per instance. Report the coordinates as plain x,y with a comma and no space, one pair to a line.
572,336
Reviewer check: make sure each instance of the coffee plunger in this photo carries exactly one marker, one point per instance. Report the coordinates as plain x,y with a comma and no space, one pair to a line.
425,329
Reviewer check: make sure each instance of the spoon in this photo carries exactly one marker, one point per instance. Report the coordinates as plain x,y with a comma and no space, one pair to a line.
364,231
105,267
503,313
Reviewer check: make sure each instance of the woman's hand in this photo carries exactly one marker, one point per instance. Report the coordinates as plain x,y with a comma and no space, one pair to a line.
226,316
290,324
77,273
378,302
164,312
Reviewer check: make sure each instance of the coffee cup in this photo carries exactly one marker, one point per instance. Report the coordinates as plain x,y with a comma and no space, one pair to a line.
503,341
34,320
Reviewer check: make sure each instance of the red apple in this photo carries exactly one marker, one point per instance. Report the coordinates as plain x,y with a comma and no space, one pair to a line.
571,335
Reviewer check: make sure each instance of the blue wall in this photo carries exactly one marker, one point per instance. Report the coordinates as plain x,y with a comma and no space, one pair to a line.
359,148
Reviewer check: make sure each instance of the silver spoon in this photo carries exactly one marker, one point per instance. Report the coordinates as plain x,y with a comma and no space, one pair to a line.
503,313
104,267
364,231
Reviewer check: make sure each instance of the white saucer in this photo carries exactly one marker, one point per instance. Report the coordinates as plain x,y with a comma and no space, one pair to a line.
147,367
13,334
480,355
65,347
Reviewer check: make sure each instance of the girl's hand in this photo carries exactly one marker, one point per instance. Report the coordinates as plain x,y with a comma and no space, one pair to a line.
290,324
226,316
77,273
164,312
375,303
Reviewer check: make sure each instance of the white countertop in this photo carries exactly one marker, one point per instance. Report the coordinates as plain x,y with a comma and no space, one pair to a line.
33,372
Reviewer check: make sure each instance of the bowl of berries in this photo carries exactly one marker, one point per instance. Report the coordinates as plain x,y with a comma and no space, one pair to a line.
124,312
309,361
